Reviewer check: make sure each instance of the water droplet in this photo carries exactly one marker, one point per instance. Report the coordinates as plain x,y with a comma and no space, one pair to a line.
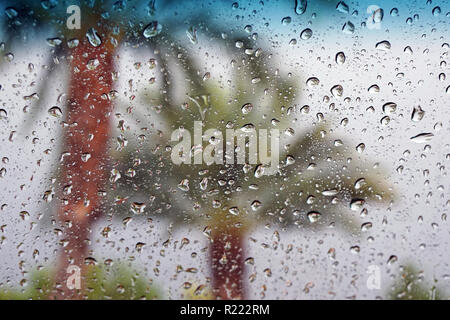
337,91
436,11
394,12
53,42
392,259
286,20
256,80
340,58
355,249
378,15
389,107
11,12
300,6
360,183
184,185
356,204
385,120
138,207
306,34
383,45
73,43
93,37
313,216
192,35
366,226
313,81
256,205
342,7
360,147
417,114
247,108
374,89
348,28
422,137
330,192
152,29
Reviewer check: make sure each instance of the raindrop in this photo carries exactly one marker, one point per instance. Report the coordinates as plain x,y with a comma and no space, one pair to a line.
330,192
138,207
378,15
247,108
392,259
192,35
340,58
93,37
348,28
374,89
53,42
286,20
436,11
337,91
394,12
366,226
417,114
360,183
383,45
360,147
73,43
422,137
356,204
313,81
11,12
300,6
313,216
385,120
342,7
306,34
152,29
389,107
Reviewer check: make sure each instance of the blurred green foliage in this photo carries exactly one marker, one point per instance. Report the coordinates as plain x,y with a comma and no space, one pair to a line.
412,286
103,283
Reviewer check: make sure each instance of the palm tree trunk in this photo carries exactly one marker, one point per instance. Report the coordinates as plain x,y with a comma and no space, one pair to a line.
83,175
227,263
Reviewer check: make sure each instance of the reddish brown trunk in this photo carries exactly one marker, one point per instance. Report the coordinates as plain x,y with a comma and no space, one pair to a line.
227,264
83,173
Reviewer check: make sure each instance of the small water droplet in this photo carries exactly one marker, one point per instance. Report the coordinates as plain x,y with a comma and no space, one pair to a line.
152,29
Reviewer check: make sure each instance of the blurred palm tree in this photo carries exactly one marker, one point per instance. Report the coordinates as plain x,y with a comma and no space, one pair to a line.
89,54
317,179
316,175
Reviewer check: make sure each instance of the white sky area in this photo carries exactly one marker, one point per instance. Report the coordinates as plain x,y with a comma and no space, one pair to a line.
24,183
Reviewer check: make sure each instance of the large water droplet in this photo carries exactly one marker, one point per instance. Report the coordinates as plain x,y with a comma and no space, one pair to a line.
340,58
93,37
337,91
417,114
342,7
152,29
422,137
383,45
306,34
300,6
348,28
